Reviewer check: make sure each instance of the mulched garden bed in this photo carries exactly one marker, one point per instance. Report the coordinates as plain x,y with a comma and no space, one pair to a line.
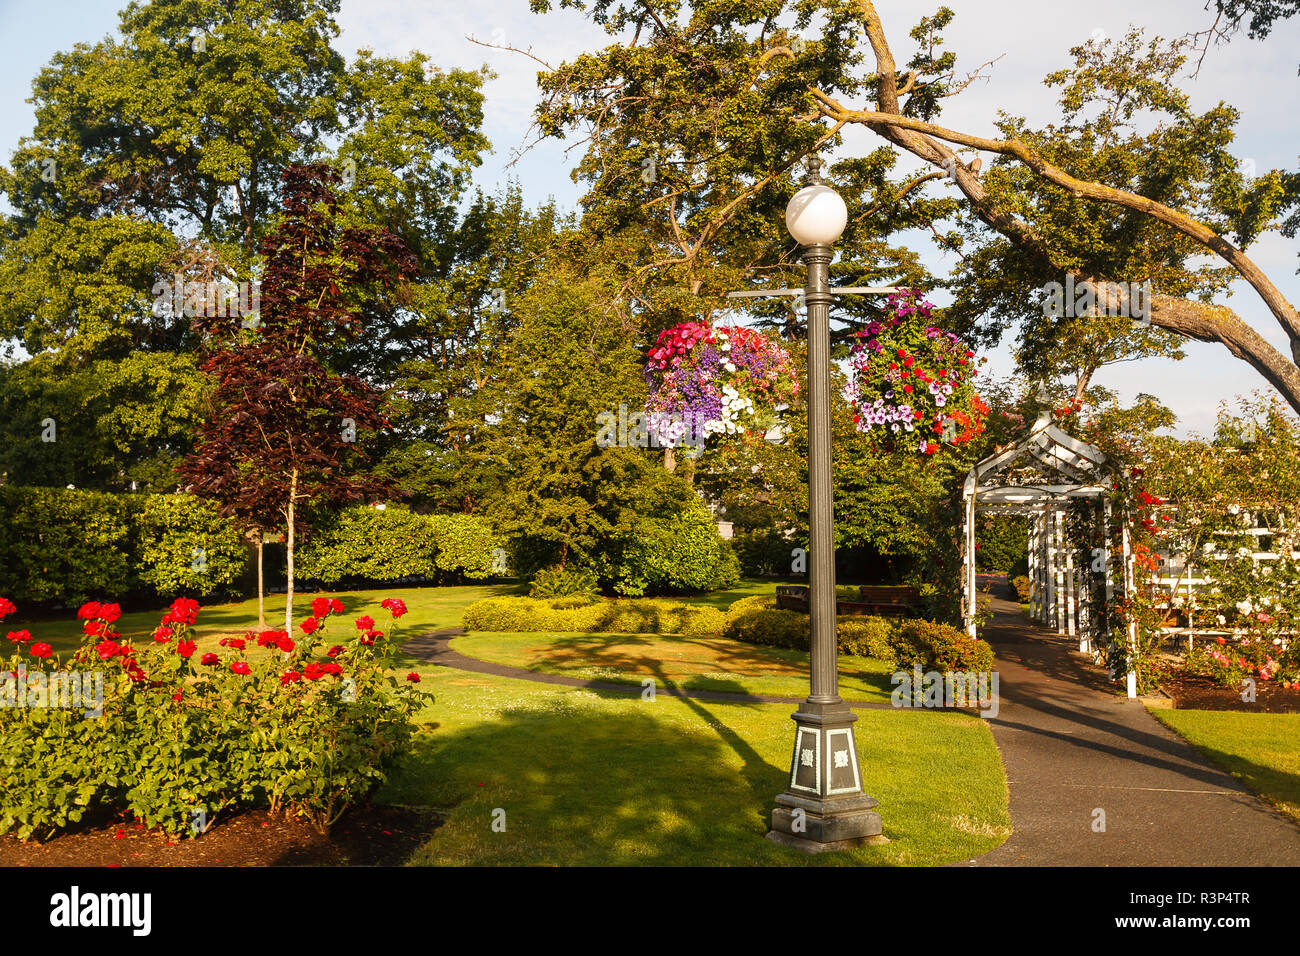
369,836
1201,693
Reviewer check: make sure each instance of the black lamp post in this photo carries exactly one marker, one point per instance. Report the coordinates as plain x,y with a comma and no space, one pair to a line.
824,806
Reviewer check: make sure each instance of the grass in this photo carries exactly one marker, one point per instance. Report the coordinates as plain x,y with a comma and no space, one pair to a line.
1258,749
589,778
712,664
428,609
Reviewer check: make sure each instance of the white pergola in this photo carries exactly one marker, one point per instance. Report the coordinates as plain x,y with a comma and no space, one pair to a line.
1040,477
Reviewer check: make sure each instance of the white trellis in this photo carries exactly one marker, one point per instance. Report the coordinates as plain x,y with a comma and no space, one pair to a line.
1043,476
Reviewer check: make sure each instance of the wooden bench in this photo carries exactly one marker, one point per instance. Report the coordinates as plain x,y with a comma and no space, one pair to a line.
792,597
884,600
874,599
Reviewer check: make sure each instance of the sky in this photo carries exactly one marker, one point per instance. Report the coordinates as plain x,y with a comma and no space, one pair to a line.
1031,38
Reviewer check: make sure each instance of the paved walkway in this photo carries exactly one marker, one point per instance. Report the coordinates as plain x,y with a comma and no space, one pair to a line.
1071,748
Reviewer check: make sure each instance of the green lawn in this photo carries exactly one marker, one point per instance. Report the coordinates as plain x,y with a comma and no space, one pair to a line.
429,608
1259,749
587,778
713,664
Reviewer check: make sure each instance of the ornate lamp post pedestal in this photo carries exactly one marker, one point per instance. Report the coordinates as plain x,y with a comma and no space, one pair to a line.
824,807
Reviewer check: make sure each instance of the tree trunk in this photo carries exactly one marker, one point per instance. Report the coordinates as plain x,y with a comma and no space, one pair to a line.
670,460
261,588
288,553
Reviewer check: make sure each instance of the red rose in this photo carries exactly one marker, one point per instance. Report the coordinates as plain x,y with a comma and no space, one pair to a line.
290,677
41,649
7,607
186,648
20,637
334,651
209,659
110,612
336,605
241,667
285,644
107,649
234,643
93,628
177,695
365,622
313,671
270,638
89,610
162,634
396,606
413,677
310,626
332,667
321,607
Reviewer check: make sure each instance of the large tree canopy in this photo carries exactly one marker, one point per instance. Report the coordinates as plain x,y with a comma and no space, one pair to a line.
1130,185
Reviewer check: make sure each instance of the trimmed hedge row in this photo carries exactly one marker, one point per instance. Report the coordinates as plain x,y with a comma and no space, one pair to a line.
1023,587
60,546
905,642
363,543
582,613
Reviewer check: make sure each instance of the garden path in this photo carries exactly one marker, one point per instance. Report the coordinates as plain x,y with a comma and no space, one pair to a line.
1072,747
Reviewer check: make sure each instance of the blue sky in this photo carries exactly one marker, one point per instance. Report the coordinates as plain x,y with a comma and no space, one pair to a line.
1259,78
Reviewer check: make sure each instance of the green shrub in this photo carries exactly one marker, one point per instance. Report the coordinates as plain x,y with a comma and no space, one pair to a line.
757,620
175,738
607,616
559,582
866,636
66,546
392,543
186,546
681,554
763,553
1023,588
939,647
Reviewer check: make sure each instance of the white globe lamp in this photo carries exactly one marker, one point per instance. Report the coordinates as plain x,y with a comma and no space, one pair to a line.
816,215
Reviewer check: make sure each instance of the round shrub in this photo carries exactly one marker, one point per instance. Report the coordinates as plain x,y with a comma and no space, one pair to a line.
866,636
65,546
682,554
940,647
556,581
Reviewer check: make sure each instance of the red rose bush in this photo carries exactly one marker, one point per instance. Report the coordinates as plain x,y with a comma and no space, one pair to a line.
178,737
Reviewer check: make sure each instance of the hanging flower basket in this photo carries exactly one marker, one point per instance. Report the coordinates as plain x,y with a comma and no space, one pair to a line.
911,384
726,381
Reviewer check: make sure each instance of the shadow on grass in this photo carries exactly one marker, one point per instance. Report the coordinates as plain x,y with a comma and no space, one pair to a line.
590,787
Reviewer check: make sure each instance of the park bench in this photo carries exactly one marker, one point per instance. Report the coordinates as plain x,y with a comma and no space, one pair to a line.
884,600
873,599
792,597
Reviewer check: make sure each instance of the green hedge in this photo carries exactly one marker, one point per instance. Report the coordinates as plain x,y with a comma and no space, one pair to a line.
61,546
367,543
577,613
186,547
901,641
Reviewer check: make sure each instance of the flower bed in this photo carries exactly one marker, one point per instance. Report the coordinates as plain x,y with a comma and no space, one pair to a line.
175,738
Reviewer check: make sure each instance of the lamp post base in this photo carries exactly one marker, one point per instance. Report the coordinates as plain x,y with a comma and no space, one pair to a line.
824,807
